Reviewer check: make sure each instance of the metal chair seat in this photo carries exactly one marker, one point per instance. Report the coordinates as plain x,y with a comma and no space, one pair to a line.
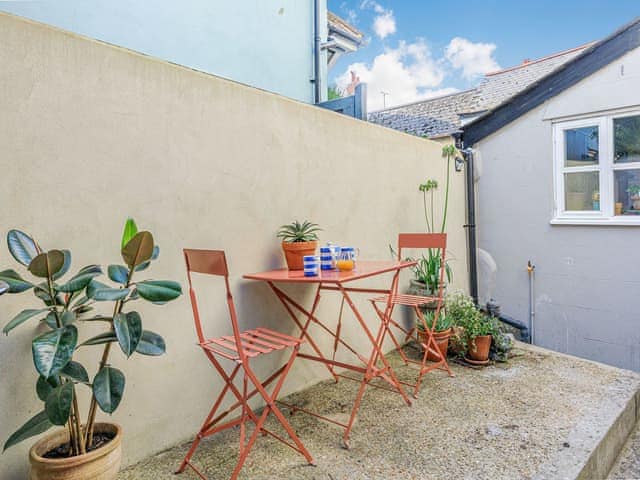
407,300
255,342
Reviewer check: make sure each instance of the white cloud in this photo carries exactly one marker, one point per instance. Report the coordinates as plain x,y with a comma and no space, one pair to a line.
407,73
474,59
384,24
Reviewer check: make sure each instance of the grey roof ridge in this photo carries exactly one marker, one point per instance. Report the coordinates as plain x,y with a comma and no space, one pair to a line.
424,100
558,71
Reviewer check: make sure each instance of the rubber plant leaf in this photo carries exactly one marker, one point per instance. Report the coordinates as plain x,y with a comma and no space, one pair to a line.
154,256
151,344
118,274
65,266
108,388
130,231
128,328
100,292
159,291
138,250
44,387
22,247
58,404
106,337
81,279
22,317
4,287
47,264
53,350
75,371
36,425
14,281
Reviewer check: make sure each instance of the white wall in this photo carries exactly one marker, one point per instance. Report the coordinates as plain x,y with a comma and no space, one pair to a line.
587,290
91,134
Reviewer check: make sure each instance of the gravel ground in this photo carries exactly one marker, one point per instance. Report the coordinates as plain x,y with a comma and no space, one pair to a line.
538,416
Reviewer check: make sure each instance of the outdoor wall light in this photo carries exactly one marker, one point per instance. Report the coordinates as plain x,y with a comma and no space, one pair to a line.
459,164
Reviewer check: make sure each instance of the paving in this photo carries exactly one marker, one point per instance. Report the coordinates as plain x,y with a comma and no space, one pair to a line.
541,415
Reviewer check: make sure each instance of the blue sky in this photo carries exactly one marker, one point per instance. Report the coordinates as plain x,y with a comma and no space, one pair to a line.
421,48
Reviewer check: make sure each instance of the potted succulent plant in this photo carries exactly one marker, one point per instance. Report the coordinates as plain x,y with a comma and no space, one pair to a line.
298,240
634,191
83,448
441,333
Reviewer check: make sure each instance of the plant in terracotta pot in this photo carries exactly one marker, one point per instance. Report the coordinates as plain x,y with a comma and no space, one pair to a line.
478,331
83,448
441,332
459,307
298,240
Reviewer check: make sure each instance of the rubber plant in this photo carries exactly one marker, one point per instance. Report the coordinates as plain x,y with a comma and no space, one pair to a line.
66,306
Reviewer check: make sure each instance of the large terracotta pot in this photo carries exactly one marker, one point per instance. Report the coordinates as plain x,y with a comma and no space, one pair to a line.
294,251
481,350
100,464
442,340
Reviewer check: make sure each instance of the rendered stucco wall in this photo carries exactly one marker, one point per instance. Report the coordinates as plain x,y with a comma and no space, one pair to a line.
91,134
263,43
587,290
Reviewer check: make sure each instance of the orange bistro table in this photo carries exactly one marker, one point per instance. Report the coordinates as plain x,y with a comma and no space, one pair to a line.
371,364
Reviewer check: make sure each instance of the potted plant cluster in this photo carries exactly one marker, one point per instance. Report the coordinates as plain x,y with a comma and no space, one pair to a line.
473,330
298,240
441,332
83,448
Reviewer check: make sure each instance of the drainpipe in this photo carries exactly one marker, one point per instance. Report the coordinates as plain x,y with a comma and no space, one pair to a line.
317,81
531,270
471,224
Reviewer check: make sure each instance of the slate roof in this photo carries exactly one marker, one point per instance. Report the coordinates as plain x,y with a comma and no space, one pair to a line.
444,115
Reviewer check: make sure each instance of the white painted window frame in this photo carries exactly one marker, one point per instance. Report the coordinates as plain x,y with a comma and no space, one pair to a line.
606,168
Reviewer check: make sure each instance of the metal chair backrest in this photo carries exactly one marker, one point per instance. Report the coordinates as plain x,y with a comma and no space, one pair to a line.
431,241
211,262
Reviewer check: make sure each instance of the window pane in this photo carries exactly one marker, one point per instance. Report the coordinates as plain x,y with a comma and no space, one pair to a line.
582,191
581,147
627,192
627,139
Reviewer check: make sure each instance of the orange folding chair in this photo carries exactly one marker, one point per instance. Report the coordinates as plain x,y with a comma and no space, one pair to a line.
436,241
239,348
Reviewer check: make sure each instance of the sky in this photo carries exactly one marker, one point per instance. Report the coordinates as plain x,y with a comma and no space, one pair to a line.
417,49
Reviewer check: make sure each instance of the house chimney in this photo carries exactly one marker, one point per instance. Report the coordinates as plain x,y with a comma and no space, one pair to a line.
355,81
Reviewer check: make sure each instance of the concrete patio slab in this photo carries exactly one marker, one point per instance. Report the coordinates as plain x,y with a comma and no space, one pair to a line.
542,415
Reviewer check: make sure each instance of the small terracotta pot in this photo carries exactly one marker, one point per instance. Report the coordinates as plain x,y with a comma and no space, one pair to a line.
100,464
481,350
294,251
441,338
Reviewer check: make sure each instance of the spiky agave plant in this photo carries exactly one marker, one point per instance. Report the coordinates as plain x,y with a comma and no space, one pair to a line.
66,307
299,232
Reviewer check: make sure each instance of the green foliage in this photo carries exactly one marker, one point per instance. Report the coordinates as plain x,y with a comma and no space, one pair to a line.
333,92
427,271
65,304
634,190
464,313
298,232
444,321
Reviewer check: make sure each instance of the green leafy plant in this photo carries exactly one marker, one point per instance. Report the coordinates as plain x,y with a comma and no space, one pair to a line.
66,304
427,271
444,321
298,232
464,313
634,190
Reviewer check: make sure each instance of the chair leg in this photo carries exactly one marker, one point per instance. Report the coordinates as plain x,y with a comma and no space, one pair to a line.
206,424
